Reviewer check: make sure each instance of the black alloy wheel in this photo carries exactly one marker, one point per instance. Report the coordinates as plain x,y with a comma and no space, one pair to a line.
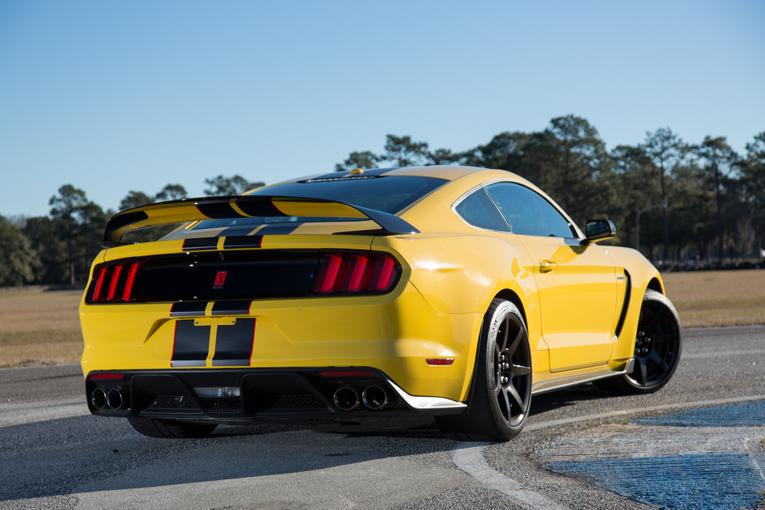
511,365
658,346
500,395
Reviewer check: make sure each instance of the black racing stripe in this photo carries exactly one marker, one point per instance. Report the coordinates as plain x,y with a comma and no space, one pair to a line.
254,205
188,309
243,242
190,344
217,210
200,243
237,231
282,228
231,308
233,344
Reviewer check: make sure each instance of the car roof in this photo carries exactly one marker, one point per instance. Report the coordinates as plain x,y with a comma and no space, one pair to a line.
447,172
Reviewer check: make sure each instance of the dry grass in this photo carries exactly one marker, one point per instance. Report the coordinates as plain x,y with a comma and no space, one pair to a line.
38,327
718,298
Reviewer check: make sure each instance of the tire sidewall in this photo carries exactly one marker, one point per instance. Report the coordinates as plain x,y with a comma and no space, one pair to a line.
493,319
658,297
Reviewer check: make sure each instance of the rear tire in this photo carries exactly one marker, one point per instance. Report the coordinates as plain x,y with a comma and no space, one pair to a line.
171,429
657,349
501,387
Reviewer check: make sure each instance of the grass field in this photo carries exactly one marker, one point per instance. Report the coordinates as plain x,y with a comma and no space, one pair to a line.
38,327
718,298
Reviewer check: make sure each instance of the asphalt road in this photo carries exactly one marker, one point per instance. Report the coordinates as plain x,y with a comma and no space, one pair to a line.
53,454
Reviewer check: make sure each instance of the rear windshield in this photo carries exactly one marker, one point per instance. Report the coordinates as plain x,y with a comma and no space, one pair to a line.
388,193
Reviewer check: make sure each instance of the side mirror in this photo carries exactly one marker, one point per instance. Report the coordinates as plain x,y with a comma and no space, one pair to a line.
597,230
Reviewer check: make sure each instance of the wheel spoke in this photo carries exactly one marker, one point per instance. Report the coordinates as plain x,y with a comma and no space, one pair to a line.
508,413
643,367
654,356
514,393
520,370
516,342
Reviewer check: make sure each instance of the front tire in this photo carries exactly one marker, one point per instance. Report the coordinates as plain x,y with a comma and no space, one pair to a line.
171,429
501,389
657,349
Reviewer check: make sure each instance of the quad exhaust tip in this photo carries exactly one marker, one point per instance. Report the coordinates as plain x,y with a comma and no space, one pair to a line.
114,399
374,398
102,399
346,398
98,399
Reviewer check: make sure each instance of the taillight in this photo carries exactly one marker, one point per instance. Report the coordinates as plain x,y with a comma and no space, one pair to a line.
351,273
114,283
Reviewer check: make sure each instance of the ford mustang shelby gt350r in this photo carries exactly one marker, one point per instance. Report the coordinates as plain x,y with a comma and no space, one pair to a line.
453,291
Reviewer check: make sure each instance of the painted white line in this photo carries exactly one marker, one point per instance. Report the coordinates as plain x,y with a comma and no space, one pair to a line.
468,457
33,412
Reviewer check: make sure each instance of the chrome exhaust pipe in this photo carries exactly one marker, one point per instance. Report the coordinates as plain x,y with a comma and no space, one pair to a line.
98,399
346,398
374,398
114,399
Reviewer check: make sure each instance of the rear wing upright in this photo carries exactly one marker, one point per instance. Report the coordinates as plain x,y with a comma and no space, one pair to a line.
245,206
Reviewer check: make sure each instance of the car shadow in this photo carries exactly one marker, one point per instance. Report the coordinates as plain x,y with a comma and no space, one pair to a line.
555,400
89,454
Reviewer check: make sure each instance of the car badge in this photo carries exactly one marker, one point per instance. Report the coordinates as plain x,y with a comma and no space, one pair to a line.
220,279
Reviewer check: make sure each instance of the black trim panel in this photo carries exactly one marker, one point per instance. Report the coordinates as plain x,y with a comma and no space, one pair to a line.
188,309
243,242
625,304
200,243
239,307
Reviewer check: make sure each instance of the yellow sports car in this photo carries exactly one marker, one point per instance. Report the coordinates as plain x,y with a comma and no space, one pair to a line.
452,291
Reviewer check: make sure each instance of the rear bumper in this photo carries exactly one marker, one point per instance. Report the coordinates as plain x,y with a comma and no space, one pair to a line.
246,395
395,334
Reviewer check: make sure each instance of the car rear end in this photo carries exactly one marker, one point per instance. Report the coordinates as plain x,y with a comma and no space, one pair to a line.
230,320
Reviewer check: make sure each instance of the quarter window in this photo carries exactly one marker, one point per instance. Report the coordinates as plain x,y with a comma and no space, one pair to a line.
478,210
527,212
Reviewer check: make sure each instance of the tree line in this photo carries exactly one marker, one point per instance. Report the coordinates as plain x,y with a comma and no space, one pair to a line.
58,249
684,205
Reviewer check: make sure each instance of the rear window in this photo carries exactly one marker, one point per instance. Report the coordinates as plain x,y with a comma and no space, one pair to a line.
388,193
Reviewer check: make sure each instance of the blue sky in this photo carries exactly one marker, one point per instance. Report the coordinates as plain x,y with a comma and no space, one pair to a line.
113,96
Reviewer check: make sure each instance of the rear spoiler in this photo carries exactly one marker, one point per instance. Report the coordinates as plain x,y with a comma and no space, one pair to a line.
245,206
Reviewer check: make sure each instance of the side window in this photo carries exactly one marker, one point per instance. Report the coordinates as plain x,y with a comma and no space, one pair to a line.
527,212
478,210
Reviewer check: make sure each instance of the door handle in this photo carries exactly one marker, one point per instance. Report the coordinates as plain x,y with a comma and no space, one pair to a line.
547,265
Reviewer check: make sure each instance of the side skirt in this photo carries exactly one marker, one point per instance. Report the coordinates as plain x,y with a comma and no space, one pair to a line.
565,382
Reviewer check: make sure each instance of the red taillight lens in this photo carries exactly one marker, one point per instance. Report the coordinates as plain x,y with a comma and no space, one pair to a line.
116,272
342,273
330,270
99,284
114,282
128,290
